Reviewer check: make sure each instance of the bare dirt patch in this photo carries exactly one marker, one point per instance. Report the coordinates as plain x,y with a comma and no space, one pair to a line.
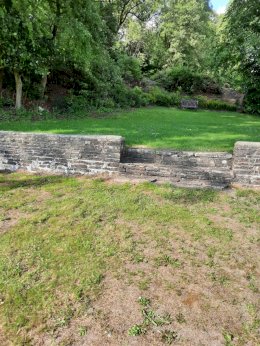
10,219
202,301
177,266
3,339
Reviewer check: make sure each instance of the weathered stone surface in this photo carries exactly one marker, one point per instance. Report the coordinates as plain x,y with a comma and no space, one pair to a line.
74,154
180,167
246,163
66,154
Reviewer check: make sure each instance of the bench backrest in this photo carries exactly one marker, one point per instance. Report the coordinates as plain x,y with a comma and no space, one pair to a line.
191,104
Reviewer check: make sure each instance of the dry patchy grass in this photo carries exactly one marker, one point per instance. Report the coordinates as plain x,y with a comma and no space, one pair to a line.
91,262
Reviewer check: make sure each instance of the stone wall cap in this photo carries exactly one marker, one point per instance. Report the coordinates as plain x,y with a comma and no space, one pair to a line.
247,143
173,151
103,137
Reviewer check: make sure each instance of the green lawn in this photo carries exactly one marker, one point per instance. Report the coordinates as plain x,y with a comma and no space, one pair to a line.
158,128
91,262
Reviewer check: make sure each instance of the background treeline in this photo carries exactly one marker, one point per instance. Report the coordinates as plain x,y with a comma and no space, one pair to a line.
86,54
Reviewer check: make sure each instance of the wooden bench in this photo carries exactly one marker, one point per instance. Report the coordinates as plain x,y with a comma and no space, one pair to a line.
189,104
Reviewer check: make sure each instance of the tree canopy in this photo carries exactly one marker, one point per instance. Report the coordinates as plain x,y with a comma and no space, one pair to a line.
107,46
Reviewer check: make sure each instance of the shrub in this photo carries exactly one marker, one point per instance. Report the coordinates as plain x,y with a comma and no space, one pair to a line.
252,100
138,97
215,104
131,69
75,104
125,96
6,102
161,97
188,81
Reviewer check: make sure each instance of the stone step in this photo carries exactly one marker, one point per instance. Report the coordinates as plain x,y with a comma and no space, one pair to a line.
182,176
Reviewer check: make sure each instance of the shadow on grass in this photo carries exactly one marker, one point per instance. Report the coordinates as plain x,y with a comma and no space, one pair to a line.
159,128
190,196
9,182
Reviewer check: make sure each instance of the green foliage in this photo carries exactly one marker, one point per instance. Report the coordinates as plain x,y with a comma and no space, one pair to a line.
252,98
180,33
150,319
125,96
186,32
136,330
165,260
228,337
185,79
106,48
218,105
144,301
6,102
131,69
19,38
161,97
241,35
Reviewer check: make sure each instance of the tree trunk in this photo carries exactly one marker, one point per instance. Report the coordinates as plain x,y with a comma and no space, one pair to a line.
1,80
19,89
43,85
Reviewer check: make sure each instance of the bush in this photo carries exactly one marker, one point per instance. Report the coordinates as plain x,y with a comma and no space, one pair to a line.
215,104
6,102
125,96
138,97
161,97
252,100
188,81
75,104
130,69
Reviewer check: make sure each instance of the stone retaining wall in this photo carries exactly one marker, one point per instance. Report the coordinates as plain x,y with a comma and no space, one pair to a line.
246,164
74,154
66,154
180,167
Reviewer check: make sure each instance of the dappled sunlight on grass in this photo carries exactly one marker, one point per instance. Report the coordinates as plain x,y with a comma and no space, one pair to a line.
158,128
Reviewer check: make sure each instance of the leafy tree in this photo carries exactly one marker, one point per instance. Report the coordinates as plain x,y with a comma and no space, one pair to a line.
39,36
123,9
177,33
20,50
184,29
241,34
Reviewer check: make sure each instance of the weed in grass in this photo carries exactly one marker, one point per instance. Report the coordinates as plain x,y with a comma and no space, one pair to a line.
180,318
138,258
228,337
65,318
144,301
210,263
95,279
221,279
165,260
211,251
169,337
144,284
252,309
150,318
136,330
252,283
83,330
